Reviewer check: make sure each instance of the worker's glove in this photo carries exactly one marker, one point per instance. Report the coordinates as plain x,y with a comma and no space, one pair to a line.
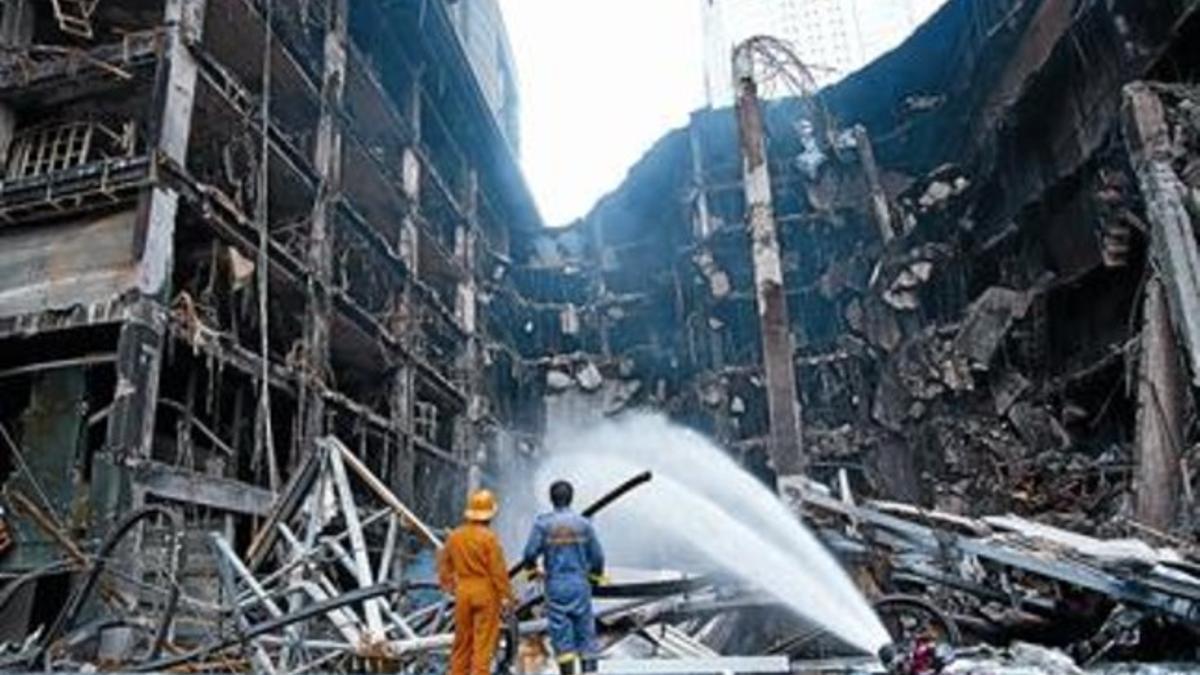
599,579
529,574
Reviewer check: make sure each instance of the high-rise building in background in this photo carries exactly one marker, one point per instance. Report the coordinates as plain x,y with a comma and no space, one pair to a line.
484,36
832,37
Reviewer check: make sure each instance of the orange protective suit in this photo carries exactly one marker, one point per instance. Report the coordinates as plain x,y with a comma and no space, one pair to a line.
471,566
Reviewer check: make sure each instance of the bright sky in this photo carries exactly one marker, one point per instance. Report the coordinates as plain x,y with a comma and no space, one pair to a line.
601,81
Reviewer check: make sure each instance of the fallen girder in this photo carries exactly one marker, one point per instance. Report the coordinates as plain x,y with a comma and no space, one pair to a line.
323,585
999,573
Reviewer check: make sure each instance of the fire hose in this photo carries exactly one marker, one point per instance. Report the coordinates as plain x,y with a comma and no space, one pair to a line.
511,629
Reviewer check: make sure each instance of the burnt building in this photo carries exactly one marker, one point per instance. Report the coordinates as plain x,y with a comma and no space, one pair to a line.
984,259
232,226
229,228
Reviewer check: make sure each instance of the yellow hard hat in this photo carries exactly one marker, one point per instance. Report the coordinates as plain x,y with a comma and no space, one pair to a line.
481,506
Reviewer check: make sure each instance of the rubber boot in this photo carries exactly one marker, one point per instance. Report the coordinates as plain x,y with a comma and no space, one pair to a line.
566,665
589,665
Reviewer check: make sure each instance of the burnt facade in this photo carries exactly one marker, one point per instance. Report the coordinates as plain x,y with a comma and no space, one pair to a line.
230,227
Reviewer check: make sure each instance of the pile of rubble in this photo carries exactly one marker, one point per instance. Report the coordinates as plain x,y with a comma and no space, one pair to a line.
337,578
1002,579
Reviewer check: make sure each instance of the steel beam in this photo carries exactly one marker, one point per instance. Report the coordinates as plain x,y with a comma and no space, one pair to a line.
187,486
1136,590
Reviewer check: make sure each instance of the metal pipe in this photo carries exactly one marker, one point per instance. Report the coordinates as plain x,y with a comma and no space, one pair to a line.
304,557
358,543
382,492
77,599
305,613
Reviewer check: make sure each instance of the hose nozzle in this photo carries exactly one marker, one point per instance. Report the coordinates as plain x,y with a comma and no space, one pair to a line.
891,658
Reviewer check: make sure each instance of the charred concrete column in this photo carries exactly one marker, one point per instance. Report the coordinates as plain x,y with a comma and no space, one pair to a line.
1171,315
403,396
401,409
1173,245
139,348
1160,428
783,406
467,436
881,212
328,162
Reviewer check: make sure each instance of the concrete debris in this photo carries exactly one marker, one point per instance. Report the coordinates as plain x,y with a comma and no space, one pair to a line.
718,281
943,184
712,394
901,294
1022,658
923,369
1038,428
987,323
589,377
557,380
622,396
879,324
1093,598
1008,389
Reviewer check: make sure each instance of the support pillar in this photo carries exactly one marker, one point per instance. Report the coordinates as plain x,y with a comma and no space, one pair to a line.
327,159
403,393
1160,418
783,405
139,346
881,213
401,408
1173,245
467,437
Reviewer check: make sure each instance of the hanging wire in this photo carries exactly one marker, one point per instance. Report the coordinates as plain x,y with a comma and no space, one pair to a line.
264,441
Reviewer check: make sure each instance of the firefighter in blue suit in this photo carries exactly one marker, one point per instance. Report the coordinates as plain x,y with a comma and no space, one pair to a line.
573,562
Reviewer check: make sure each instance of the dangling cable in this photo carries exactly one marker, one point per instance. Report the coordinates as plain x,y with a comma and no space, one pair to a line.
264,441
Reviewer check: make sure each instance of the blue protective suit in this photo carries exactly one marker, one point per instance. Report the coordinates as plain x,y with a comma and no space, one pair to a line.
570,553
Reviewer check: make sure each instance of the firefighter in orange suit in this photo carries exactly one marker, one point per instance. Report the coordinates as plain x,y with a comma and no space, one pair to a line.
471,567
